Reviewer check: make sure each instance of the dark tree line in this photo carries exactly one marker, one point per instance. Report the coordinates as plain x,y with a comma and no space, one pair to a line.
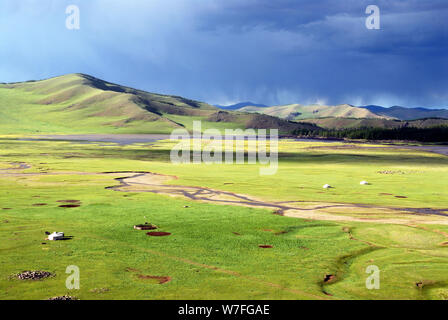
434,134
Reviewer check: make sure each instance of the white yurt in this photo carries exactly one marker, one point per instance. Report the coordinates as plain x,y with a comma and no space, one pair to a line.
56,236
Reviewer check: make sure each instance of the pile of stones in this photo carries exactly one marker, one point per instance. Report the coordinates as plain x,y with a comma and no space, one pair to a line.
33,275
63,298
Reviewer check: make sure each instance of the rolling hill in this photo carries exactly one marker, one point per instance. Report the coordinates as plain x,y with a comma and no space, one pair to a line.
240,105
300,112
403,113
79,103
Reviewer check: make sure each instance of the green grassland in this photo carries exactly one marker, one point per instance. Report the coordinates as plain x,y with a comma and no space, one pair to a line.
203,256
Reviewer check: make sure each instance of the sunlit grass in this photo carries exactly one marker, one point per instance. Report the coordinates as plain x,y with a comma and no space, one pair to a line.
203,256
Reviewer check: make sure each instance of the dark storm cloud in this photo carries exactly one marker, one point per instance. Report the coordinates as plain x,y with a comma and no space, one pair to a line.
271,52
327,53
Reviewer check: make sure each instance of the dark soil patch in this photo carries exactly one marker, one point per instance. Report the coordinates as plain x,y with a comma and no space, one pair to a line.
69,206
5,221
401,197
280,233
145,227
236,233
33,275
385,194
39,204
425,283
69,201
425,211
158,234
160,280
6,208
63,298
444,244
329,278
265,246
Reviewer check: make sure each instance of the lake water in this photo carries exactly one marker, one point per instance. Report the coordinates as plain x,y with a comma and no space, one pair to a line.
126,139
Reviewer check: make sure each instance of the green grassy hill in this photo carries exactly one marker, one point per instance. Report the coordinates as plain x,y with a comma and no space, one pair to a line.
79,103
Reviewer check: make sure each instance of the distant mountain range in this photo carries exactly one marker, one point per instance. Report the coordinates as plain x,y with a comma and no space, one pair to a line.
353,123
403,113
301,112
240,105
80,103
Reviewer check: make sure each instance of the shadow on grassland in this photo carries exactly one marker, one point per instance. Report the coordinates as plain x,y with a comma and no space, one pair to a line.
293,157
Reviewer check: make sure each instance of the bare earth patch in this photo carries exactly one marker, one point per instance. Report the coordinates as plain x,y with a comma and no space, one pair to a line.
158,234
329,278
69,201
159,279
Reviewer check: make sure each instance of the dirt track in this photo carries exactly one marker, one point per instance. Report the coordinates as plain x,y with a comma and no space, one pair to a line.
134,181
155,183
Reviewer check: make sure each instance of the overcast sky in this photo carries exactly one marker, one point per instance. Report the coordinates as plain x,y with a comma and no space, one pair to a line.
226,51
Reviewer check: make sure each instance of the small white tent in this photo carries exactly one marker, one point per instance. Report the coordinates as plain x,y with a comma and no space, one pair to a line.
327,186
56,236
